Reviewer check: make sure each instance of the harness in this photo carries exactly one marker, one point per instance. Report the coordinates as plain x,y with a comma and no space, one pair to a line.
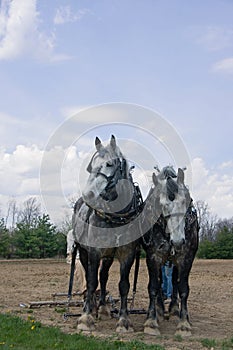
111,179
190,218
133,208
122,218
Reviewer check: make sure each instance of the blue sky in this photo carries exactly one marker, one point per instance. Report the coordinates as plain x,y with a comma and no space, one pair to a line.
174,57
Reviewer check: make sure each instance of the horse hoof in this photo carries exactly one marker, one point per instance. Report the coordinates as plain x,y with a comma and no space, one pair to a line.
124,325
183,333
122,329
151,327
86,323
183,329
104,312
151,331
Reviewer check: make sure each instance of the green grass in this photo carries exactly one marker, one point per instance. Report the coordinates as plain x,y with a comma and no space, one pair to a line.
178,338
226,344
208,343
18,334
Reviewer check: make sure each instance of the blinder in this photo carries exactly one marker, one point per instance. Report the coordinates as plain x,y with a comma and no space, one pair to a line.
190,217
89,167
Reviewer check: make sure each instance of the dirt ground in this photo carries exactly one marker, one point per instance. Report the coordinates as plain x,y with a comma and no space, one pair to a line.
210,301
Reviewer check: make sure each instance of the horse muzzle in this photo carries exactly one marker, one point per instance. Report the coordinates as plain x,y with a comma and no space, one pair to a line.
176,247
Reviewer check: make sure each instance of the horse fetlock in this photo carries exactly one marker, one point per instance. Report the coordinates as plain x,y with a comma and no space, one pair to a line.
86,323
124,325
160,311
151,327
104,312
174,309
184,329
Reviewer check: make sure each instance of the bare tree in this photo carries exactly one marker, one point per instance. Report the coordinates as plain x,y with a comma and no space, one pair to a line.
66,223
11,214
30,211
228,223
207,221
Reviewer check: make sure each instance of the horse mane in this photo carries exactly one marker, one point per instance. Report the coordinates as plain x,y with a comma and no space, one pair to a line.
172,188
168,173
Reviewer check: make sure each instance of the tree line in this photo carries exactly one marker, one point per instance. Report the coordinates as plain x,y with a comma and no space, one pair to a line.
216,235
28,233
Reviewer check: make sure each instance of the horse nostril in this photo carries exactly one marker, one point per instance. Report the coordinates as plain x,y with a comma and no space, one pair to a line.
90,195
183,241
172,243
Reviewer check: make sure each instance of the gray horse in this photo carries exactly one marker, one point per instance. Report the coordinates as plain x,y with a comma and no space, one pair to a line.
173,236
101,228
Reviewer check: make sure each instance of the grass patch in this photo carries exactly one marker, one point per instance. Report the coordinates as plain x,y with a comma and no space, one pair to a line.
209,343
227,344
178,338
60,310
26,335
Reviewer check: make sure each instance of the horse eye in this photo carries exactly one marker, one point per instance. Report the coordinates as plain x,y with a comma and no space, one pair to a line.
108,164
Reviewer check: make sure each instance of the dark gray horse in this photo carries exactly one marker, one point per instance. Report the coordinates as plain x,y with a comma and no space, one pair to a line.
173,236
101,228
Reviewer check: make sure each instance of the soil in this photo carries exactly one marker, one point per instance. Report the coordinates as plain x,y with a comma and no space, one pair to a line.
210,301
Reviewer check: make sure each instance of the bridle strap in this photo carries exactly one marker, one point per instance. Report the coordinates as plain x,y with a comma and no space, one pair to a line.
174,215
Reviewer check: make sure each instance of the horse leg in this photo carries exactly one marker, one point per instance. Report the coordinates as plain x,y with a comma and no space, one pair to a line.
151,325
124,324
184,327
86,321
103,310
160,303
174,305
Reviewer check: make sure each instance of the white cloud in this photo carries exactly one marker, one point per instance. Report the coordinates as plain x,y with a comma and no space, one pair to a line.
20,177
215,38
225,65
64,175
214,187
226,165
17,167
64,14
21,34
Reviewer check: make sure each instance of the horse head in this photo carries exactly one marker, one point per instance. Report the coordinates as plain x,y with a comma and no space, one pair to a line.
107,166
173,200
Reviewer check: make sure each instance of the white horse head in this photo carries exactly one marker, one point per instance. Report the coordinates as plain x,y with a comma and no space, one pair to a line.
107,165
174,200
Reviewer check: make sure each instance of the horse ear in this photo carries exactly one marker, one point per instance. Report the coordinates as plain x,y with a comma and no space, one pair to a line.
155,180
113,142
98,144
180,176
